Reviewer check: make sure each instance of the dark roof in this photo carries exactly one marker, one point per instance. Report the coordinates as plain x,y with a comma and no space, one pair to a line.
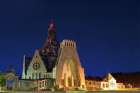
93,78
132,78
45,60
127,77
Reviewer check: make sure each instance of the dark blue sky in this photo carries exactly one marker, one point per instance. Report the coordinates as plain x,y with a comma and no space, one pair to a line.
107,31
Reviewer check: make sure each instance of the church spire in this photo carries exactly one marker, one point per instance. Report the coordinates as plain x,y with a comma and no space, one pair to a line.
51,26
51,31
50,49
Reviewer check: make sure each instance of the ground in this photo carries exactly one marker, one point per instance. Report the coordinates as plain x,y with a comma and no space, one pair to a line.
136,91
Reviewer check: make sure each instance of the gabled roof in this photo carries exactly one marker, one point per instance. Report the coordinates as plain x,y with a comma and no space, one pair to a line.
43,57
108,77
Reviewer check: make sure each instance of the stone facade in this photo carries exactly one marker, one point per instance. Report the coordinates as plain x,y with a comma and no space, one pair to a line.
69,73
93,83
108,82
12,81
54,66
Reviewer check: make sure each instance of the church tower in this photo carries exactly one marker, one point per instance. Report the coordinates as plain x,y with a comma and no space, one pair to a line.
50,48
69,72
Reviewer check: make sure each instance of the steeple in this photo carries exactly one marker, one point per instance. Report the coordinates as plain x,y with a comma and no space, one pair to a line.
51,26
50,48
51,31
51,38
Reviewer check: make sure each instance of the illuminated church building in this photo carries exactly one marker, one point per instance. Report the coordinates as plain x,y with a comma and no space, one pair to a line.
56,66
57,62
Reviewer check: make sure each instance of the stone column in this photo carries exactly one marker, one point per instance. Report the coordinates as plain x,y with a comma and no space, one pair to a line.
65,80
72,81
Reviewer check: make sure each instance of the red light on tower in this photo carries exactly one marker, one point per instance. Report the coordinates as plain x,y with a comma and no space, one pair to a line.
51,26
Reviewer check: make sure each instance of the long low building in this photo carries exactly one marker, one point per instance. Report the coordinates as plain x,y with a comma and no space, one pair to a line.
113,81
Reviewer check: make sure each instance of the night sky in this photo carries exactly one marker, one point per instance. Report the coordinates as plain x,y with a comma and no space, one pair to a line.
107,32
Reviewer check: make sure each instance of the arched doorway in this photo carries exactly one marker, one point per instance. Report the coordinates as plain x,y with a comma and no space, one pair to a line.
11,81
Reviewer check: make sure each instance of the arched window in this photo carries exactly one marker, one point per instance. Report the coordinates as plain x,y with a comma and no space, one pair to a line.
44,75
39,75
69,82
32,75
36,76
103,85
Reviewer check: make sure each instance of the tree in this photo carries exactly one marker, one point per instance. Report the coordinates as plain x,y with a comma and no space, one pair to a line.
2,80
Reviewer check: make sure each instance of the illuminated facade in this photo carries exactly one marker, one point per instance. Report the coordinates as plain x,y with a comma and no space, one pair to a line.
108,82
92,83
69,72
54,66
